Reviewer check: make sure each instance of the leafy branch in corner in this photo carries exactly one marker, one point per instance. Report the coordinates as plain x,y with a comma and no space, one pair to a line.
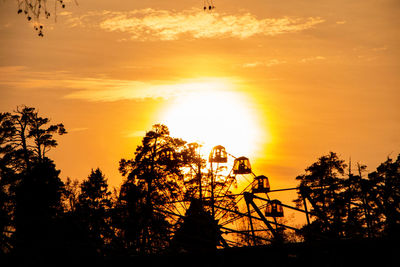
34,10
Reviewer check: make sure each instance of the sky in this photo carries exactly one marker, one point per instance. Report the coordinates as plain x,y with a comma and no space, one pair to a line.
281,82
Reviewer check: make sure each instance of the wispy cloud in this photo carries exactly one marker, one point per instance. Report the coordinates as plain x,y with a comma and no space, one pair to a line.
106,89
113,90
308,59
80,129
134,134
152,24
268,63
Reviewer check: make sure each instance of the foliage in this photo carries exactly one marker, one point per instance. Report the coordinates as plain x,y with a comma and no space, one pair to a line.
322,179
383,197
38,205
70,196
93,209
350,206
26,172
26,137
41,216
161,181
198,231
154,178
34,10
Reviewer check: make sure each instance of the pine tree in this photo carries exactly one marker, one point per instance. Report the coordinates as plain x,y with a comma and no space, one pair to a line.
93,209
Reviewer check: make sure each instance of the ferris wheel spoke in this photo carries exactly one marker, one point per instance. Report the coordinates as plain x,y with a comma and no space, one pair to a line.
227,189
174,206
237,217
238,198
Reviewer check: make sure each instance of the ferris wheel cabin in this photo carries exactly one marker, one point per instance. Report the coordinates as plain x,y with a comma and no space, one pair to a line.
274,209
261,184
241,166
218,155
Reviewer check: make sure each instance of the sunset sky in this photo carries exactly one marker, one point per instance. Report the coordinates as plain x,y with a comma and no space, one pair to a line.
282,82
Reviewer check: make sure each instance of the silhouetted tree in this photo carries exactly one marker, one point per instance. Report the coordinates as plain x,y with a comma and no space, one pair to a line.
70,196
15,128
93,209
27,137
27,176
7,179
42,135
356,224
38,198
154,179
128,217
199,231
384,197
165,172
324,185
352,206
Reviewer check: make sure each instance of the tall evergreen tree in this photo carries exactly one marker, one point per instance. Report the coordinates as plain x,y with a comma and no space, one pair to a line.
93,209
27,176
38,205
384,196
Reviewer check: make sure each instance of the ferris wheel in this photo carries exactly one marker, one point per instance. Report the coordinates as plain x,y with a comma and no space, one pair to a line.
244,218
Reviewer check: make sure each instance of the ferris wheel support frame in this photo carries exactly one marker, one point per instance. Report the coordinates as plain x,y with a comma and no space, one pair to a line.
248,197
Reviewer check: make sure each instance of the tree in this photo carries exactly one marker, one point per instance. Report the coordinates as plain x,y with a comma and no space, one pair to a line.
26,173
384,197
154,178
357,222
161,180
93,209
7,177
352,206
70,197
15,128
198,231
38,205
42,138
324,187
27,137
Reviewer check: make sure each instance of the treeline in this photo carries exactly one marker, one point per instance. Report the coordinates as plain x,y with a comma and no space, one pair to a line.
350,204
42,217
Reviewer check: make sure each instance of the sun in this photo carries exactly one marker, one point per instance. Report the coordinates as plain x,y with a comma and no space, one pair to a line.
211,112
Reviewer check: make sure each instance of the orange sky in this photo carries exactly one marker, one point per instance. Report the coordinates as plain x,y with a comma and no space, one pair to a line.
297,79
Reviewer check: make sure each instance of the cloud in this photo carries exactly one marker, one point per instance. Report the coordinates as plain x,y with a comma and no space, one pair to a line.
77,129
308,59
268,63
152,24
104,89
134,134
100,89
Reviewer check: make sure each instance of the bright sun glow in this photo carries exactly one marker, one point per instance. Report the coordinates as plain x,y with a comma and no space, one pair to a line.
213,113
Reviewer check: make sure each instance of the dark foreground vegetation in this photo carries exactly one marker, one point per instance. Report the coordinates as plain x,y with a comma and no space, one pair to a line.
354,216
336,253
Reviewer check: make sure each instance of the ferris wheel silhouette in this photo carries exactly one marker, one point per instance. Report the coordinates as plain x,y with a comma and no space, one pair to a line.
248,217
